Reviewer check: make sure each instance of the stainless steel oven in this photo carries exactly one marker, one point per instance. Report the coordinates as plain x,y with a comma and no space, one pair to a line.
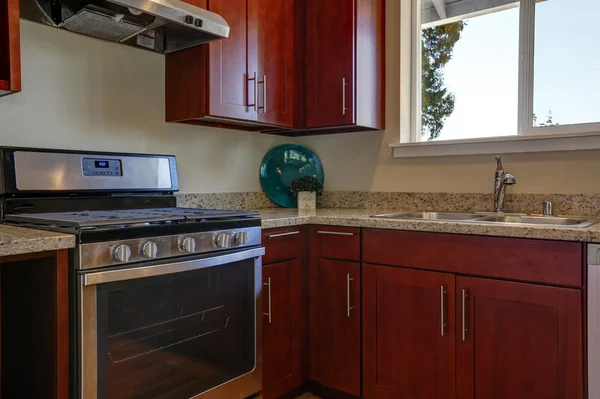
187,329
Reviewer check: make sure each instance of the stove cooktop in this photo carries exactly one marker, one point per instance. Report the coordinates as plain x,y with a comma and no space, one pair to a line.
92,219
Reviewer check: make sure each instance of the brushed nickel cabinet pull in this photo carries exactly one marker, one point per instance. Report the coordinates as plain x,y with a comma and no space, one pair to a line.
464,315
442,317
264,83
268,285
255,104
344,84
264,94
348,307
335,233
291,233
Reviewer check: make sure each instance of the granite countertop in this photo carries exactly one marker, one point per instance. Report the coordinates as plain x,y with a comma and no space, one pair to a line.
20,240
278,217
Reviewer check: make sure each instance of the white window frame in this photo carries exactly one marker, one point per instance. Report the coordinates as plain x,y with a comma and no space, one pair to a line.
529,138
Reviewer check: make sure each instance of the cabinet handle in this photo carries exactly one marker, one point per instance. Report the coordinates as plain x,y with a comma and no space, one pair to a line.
264,83
344,84
268,285
255,92
442,317
464,315
335,233
291,233
348,307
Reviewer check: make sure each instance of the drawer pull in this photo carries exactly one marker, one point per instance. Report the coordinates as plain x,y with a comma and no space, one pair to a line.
291,233
335,233
464,315
443,317
348,307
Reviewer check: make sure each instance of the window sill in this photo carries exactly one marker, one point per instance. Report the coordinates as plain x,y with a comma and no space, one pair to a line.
498,145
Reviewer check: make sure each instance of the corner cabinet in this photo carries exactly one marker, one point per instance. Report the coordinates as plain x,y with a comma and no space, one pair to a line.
345,64
244,81
10,52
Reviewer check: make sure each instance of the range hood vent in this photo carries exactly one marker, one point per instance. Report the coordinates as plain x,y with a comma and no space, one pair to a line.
163,26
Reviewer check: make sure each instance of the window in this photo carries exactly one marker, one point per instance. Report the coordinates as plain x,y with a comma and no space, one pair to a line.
492,68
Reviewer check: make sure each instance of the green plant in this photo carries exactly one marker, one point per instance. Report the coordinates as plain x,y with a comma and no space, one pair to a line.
306,183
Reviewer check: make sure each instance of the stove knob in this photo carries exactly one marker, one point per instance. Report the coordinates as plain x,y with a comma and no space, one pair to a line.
222,240
149,249
240,238
121,253
187,244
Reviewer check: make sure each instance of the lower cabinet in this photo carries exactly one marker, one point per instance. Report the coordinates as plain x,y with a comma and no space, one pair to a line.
518,341
435,335
339,325
408,334
282,328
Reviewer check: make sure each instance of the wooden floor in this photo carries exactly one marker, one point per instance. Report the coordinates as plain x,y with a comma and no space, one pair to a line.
307,396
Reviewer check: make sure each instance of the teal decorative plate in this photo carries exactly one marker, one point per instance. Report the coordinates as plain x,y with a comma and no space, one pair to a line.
282,165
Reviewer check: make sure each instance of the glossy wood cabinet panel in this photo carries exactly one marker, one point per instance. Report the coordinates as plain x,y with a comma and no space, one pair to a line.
284,244
408,334
520,341
339,325
275,26
10,47
336,242
228,82
197,3
330,51
283,328
548,262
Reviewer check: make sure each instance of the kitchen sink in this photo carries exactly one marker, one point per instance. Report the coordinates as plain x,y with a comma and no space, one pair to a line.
506,219
566,221
431,216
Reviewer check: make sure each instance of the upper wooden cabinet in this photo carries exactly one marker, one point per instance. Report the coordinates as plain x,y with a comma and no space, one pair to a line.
289,67
10,49
345,64
245,80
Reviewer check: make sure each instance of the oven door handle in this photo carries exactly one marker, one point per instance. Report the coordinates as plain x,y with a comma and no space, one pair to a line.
112,276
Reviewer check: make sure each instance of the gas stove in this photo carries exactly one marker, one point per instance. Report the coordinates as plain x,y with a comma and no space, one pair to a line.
165,301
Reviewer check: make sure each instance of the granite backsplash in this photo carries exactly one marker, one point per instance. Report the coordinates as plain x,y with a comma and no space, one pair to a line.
564,204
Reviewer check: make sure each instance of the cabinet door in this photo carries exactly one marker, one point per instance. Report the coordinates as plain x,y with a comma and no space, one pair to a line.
229,86
274,24
10,54
518,341
339,326
282,328
408,334
330,49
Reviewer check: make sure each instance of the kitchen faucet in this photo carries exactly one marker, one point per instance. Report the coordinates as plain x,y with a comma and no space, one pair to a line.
501,180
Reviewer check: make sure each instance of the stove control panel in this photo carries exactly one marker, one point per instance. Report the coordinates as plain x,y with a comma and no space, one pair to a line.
101,167
105,254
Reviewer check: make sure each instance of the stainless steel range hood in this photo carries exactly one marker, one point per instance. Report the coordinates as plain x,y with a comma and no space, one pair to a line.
163,26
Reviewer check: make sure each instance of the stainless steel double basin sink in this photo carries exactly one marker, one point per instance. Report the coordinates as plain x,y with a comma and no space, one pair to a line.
494,218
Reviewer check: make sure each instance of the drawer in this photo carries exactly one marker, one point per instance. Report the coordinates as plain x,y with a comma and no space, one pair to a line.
283,244
538,261
336,242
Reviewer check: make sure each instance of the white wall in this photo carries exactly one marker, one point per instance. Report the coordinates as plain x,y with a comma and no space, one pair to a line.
83,93
363,161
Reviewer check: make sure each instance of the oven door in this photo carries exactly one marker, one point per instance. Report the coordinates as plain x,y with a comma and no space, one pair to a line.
189,329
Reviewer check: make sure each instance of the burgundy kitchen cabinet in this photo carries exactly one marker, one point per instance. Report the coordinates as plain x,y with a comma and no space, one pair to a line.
10,53
35,325
335,308
284,311
408,334
247,80
345,64
339,325
518,341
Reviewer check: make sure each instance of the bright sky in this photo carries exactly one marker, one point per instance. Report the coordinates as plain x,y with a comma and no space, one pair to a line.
483,73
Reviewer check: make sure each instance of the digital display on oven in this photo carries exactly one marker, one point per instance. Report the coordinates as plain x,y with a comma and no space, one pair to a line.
101,167
101,164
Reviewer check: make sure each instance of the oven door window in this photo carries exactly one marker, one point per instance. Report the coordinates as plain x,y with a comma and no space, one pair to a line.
178,335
